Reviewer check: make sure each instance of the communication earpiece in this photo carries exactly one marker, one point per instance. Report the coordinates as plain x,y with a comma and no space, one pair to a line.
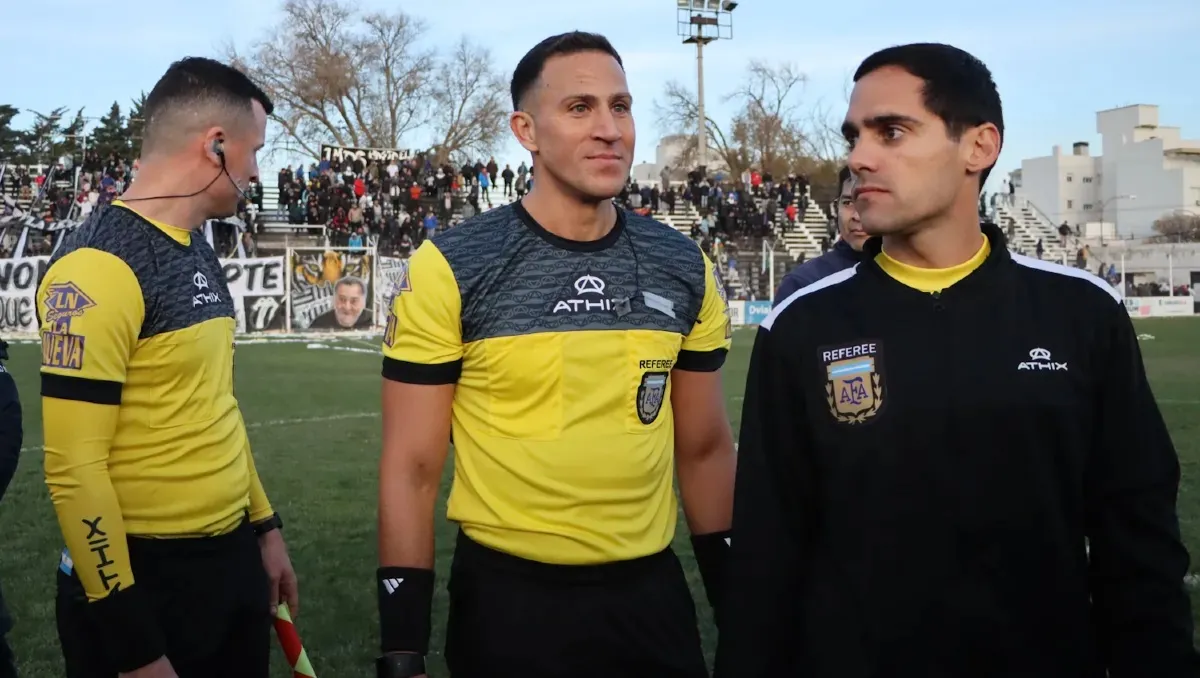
218,147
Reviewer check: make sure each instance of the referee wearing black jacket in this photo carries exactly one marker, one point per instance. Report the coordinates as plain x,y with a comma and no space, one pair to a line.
951,463
11,435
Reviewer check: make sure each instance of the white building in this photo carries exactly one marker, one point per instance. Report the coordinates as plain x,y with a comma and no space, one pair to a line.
1145,172
666,155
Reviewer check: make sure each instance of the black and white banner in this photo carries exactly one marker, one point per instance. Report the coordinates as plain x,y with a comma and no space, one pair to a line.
18,288
393,279
258,289
340,154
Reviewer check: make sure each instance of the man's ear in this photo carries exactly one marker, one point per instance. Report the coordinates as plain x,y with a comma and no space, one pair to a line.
981,147
524,129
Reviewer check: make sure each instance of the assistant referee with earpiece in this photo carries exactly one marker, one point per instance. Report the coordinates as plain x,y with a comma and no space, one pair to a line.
173,557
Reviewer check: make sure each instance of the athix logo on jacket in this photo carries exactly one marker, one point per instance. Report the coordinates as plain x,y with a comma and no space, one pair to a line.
589,292
1039,359
202,297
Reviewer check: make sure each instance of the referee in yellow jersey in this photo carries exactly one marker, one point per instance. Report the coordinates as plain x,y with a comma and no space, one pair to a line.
173,556
574,351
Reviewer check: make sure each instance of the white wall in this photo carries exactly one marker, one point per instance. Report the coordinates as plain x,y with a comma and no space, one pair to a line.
1166,263
1062,185
1155,164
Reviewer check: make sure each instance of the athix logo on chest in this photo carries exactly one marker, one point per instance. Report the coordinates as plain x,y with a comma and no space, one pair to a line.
590,297
854,381
1039,360
204,294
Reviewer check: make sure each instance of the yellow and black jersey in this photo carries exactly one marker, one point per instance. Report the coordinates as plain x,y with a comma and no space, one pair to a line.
562,353
143,435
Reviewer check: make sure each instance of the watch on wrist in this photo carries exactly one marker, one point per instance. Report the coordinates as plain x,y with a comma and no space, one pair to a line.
399,665
264,526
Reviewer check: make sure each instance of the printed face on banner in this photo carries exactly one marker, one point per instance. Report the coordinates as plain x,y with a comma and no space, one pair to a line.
331,290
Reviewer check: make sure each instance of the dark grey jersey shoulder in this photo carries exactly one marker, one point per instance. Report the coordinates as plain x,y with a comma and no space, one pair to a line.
674,263
182,285
514,278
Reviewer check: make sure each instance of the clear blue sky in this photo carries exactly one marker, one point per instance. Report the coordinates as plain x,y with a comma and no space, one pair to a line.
1056,63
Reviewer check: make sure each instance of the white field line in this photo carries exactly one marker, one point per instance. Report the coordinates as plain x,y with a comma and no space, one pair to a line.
274,423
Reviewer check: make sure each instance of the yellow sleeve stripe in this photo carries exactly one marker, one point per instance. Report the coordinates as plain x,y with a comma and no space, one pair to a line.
80,389
420,373
701,361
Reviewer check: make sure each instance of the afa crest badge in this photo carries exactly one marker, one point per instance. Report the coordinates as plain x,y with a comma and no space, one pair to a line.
650,395
854,385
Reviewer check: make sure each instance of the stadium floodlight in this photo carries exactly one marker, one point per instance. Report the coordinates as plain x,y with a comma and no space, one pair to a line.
700,22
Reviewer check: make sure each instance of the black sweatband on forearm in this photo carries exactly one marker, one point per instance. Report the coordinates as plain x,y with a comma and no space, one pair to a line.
127,628
712,558
405,602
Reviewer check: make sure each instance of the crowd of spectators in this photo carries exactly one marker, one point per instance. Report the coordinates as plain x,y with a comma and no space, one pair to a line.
393,204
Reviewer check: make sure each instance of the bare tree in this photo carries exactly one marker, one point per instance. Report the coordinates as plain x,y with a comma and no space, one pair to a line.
678,113
1177,227
769,130
339,77
469,104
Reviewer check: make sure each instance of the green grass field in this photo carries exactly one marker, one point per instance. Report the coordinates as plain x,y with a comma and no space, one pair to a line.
313,420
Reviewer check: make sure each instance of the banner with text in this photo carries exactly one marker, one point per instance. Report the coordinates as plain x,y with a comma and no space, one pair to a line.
757,311
1160,307
737,313
332,289
340,154
18,287
257,287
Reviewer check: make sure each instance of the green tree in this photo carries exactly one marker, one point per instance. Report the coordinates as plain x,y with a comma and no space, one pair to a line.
134,125
10,139
71,142
110,135
43,137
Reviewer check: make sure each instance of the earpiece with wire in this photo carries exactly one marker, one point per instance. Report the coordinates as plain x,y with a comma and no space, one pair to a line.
218,147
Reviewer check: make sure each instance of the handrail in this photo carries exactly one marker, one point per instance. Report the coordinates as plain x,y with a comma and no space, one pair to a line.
1037,210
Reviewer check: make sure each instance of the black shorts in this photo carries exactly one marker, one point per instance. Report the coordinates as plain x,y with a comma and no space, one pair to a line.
209,595
519,618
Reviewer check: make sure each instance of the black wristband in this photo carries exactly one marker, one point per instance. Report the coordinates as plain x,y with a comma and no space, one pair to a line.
127,629
267,524
712,558
399,665
405,602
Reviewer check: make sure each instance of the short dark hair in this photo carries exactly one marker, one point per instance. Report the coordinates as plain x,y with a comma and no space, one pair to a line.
529,69
959,88
843,177
197,81
351,280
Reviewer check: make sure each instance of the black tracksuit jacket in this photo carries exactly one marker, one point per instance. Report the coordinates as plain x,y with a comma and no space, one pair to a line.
920,477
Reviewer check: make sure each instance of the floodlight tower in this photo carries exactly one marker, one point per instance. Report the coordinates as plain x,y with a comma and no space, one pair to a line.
701,22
